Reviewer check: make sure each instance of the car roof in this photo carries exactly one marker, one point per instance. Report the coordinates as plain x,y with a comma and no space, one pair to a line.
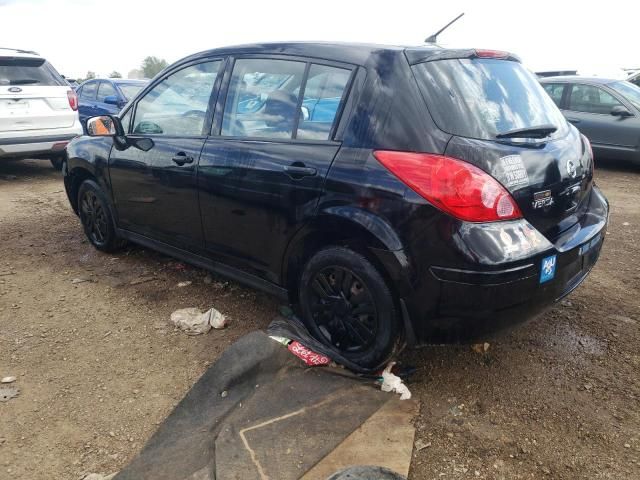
131,81
13,52
579,79
135,81
346,52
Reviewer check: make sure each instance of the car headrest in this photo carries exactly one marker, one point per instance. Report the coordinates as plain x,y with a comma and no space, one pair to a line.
280,108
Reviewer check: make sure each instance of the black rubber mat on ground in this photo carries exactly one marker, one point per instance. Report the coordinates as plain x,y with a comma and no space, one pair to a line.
256,413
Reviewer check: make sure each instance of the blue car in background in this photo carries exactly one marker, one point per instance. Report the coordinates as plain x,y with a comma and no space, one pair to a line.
105,96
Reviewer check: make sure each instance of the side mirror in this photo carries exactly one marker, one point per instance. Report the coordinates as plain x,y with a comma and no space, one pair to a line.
620,111
112,100
104,126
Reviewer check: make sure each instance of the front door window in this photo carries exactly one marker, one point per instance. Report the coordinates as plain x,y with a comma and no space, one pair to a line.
179,104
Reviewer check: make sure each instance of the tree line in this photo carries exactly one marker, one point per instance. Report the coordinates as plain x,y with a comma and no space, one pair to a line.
149,68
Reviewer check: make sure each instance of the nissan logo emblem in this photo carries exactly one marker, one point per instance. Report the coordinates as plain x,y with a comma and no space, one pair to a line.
15,89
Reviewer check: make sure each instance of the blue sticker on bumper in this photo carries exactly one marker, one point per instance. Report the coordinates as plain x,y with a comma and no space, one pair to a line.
548,269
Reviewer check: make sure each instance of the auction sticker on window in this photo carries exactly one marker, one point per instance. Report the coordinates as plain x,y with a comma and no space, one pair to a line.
514,173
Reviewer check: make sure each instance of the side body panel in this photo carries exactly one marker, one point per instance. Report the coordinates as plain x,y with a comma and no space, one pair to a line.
153,195
252,204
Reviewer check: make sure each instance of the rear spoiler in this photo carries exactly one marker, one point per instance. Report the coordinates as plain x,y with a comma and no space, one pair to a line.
13,61
421,55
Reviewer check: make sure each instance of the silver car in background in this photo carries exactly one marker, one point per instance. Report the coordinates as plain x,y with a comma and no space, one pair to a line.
38,108
606,111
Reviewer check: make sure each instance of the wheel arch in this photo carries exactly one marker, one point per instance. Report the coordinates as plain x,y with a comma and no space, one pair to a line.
74,176
356,229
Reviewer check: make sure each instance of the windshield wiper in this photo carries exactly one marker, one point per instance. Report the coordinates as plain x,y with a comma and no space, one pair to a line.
541,131
24,81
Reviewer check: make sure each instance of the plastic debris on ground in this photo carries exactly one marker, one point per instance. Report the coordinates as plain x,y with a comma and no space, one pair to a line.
98,476
216,319
308,356
480,347
7,393
366,473
393,383
193,322
293,329
283,340
9,379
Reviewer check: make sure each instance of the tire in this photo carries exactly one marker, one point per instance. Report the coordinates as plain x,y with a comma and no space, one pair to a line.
57,162
95,216
347,305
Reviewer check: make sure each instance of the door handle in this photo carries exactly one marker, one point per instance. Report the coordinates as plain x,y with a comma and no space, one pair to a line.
573,120
181,158
299,170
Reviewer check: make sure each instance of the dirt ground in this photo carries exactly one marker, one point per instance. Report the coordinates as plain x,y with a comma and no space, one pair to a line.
98,368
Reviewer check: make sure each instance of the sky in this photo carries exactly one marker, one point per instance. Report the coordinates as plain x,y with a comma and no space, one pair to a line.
105,35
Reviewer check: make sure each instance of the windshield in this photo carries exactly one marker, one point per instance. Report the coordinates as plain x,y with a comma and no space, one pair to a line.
130,90
629,91
482,98
28,71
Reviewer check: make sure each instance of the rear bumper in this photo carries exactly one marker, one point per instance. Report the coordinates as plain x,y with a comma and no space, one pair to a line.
37,142
453,304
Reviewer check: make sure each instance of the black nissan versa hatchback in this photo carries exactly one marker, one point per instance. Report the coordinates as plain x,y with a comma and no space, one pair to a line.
390,193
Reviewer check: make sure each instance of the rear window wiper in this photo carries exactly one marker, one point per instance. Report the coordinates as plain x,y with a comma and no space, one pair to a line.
24,81
540,131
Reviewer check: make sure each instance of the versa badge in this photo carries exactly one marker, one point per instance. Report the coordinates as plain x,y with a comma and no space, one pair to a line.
542,199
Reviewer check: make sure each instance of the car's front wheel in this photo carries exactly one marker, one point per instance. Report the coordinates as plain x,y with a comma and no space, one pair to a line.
347,305
96,217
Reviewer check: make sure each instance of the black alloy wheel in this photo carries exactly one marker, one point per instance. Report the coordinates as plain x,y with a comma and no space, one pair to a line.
347,305
93,217
96,218
343,309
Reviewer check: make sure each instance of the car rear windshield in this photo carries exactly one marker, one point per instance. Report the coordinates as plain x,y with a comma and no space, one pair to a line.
628,90
481,98
28,71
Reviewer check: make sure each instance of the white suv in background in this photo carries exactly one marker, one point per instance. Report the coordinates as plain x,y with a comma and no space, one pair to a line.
38,108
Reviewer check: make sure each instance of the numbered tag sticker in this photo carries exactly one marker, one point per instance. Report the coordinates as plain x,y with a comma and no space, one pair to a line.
548,269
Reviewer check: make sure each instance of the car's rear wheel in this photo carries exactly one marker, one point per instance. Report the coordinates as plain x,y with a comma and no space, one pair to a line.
347,305
96,217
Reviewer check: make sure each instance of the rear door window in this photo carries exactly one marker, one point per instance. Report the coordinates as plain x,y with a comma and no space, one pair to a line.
28,71
555,91
89,91
481,98
323,94
591,99
263,98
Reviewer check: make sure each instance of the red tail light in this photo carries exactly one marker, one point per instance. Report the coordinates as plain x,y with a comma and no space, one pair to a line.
452,185
73,100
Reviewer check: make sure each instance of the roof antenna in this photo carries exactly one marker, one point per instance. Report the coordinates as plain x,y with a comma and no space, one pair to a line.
433,38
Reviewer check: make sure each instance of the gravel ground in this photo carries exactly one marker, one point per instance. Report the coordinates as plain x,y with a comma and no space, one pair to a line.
98,368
